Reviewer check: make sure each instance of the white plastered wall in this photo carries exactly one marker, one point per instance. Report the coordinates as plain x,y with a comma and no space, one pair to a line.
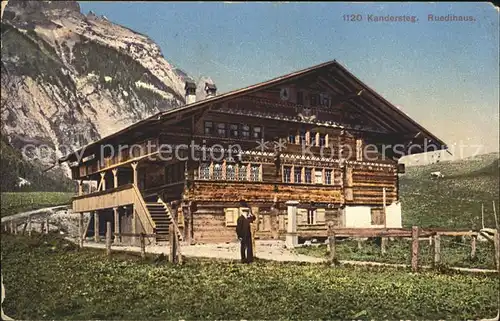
360,216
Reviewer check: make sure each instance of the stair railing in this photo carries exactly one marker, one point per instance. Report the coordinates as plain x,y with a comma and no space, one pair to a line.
142,210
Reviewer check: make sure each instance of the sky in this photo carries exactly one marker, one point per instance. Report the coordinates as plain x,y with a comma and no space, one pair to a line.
443,74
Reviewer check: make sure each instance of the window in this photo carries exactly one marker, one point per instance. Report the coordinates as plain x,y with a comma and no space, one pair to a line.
328,176
230,172
322,140
217,171
204,171
168,174
302,137
297,175
324,100
318,176
287,174
242,173
209,127
300,98
255,173
245,131
291,138
308,175
233,131
257,132
312,139
221,130
314,99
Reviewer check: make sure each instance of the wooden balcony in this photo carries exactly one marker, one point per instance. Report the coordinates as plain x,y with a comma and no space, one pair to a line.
124,195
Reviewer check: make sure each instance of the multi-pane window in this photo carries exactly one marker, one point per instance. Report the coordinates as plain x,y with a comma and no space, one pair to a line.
307,175
257,132
322,140
209,127
230,172
291,138
221,129
217,171
318,176
233,131
204,171
328,176
245,131
287,174
254,173
297,174
324,100
302,137
242,173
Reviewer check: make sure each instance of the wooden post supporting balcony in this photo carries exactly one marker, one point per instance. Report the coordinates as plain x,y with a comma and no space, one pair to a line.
80,187
96,226
102,183
117,225
115,177
134,168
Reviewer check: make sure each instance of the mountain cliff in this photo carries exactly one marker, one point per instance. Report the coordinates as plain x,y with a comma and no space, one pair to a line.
68,79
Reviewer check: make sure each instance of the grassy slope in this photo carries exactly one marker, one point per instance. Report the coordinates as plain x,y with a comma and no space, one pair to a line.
13,203
123,288
455,200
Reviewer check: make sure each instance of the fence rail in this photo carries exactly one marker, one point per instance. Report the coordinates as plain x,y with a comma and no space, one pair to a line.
415,233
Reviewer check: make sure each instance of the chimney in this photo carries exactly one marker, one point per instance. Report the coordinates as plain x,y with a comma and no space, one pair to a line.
190,92
210,90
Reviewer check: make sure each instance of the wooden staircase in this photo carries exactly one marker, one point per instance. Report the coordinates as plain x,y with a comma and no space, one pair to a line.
161,214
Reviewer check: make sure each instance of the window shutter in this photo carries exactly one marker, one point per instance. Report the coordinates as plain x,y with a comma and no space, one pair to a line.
301,216
320,216
231,216
180,217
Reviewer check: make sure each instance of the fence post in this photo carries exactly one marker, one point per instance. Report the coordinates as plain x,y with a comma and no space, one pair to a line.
473,246
29,225
497,249
172,240
80,230
108,238
383,245
46,225
414,248
143,246
12,230
359,245
331,243
437,249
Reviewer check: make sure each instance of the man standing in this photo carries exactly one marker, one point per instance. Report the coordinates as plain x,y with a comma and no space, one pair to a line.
245,236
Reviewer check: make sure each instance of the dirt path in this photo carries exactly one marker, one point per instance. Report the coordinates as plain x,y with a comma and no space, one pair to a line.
268,250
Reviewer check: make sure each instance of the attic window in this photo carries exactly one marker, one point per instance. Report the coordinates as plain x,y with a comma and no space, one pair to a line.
209,127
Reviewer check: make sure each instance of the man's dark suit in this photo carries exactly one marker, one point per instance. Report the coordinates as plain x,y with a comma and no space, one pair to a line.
245,235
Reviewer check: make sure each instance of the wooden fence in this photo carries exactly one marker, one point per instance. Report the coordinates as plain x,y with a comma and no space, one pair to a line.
415,233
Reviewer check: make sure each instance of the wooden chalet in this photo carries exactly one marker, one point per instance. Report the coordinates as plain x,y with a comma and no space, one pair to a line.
299,137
